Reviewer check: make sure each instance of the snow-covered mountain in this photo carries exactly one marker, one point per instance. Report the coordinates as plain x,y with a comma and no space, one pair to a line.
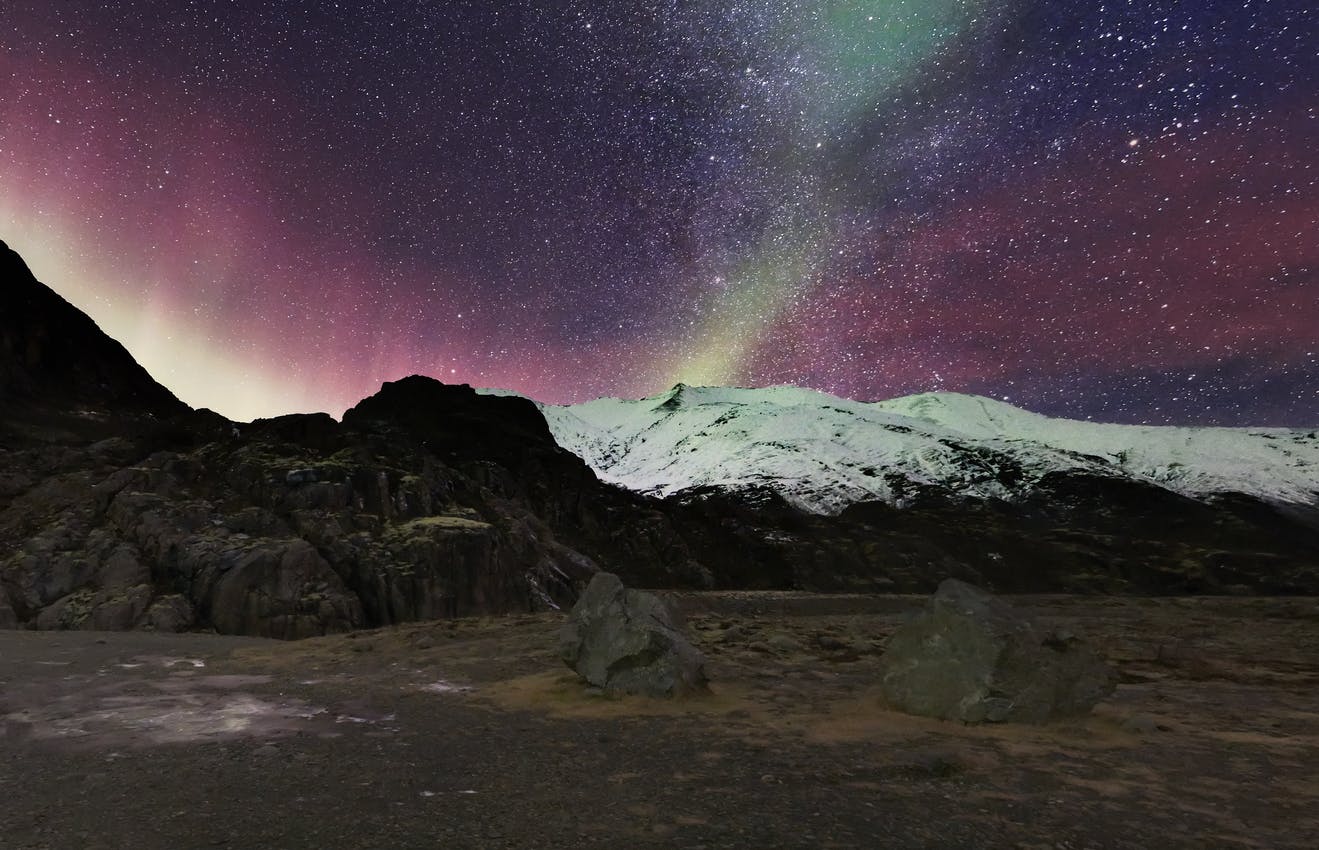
823,453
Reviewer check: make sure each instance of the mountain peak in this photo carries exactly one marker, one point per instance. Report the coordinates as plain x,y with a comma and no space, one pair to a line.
673,399
455,417
54,358
980,415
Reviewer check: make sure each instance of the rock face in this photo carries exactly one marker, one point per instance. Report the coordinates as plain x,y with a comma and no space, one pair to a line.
625,642
300,525
120,507
970,657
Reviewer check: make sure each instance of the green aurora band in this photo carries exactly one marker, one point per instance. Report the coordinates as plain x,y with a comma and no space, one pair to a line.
862,52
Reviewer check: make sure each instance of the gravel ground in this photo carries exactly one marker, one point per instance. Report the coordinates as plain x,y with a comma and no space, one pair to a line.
470,734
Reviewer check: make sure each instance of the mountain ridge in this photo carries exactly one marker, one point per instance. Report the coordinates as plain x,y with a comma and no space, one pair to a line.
50,351
824,453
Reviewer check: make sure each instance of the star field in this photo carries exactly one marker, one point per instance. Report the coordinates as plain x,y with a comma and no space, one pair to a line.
1102,210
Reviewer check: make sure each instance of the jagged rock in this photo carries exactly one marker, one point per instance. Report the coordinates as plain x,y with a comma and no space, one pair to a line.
119,610
280,590
122,508
970,657
625,642
171,613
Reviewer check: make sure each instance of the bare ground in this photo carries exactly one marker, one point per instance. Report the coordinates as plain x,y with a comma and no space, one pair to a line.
469,733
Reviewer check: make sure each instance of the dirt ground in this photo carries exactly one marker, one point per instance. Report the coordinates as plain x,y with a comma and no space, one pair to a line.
470,733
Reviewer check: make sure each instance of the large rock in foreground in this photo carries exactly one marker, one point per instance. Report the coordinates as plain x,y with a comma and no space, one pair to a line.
625,642
970,657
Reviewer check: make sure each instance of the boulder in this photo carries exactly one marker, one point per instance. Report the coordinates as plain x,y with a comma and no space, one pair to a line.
626,642
970,657
171,613
280,589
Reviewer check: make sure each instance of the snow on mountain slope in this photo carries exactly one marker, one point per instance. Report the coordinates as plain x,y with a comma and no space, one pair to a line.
823,453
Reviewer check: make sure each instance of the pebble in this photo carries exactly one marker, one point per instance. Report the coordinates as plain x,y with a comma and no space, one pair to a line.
731,634
831,643
1140,724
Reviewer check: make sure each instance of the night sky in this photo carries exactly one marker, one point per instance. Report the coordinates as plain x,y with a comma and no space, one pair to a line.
1104,210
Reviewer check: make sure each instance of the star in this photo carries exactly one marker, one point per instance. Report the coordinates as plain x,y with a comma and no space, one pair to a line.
275,206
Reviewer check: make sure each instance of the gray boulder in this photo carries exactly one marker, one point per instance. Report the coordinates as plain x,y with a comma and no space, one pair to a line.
625,642
970,657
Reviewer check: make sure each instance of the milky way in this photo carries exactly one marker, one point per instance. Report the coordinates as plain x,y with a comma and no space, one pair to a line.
1102,210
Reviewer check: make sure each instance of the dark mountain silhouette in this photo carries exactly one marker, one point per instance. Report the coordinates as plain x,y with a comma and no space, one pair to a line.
54,358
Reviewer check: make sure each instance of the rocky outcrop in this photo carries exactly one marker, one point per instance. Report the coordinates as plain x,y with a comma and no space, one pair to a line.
970,657
625,642
288,529
122,508
302,525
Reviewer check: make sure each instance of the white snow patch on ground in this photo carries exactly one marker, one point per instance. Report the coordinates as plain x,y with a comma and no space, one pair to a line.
178,716
443,687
